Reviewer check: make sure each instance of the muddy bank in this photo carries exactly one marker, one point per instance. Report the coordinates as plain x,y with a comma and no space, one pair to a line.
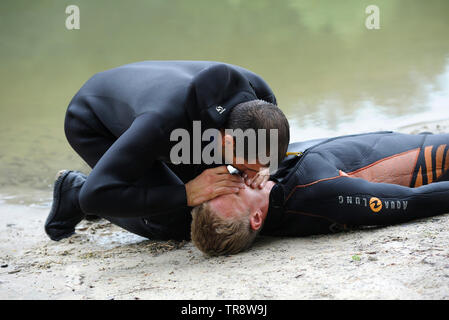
407,261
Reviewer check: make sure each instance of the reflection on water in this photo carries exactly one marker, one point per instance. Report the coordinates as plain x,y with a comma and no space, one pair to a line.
330,74
20,195
329,117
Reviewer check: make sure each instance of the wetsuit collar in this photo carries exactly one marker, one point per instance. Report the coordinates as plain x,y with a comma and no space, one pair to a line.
275,208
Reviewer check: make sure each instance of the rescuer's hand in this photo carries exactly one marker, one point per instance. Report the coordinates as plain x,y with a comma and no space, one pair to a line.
212,183
259,179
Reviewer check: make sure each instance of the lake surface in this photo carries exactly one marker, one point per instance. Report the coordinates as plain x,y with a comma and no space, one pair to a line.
331,74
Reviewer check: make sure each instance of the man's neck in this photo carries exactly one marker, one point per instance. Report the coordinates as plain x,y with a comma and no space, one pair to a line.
267,189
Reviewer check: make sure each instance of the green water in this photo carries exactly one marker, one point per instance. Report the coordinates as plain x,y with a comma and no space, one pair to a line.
330,73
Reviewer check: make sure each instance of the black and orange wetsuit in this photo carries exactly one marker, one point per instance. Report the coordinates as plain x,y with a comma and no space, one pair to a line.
372,179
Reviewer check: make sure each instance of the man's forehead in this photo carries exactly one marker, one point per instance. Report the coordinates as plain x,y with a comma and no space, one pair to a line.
222,204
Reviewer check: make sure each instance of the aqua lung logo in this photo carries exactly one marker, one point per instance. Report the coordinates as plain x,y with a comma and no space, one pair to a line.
375,204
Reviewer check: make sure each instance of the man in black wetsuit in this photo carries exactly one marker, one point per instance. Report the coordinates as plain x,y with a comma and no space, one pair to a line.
372,179
120,123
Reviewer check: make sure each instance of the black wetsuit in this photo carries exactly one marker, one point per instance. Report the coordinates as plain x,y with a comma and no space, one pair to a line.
120,123
372,179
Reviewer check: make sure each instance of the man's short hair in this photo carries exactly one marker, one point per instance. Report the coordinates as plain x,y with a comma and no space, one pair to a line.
260,114
215,235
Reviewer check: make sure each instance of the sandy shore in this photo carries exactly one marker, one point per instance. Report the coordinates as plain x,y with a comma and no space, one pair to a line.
407,261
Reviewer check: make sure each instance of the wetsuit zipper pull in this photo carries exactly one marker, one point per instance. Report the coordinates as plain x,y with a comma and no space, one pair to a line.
294,154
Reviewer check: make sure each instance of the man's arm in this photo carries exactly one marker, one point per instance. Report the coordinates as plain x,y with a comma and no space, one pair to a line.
357,202
111,188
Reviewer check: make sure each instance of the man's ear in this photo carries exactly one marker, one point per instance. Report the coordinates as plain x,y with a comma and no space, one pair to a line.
228,147
256,220
228,140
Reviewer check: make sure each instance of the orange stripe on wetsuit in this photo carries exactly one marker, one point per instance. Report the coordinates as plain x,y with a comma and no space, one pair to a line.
432,163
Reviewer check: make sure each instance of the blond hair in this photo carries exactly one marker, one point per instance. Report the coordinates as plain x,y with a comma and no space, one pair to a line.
216,235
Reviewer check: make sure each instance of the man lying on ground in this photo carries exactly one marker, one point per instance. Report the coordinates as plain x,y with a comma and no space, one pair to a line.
373,179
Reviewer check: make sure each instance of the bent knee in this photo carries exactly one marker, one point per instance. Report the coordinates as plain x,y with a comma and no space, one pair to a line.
74,125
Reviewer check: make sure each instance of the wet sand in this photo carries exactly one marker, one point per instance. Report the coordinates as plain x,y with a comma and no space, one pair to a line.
102,261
